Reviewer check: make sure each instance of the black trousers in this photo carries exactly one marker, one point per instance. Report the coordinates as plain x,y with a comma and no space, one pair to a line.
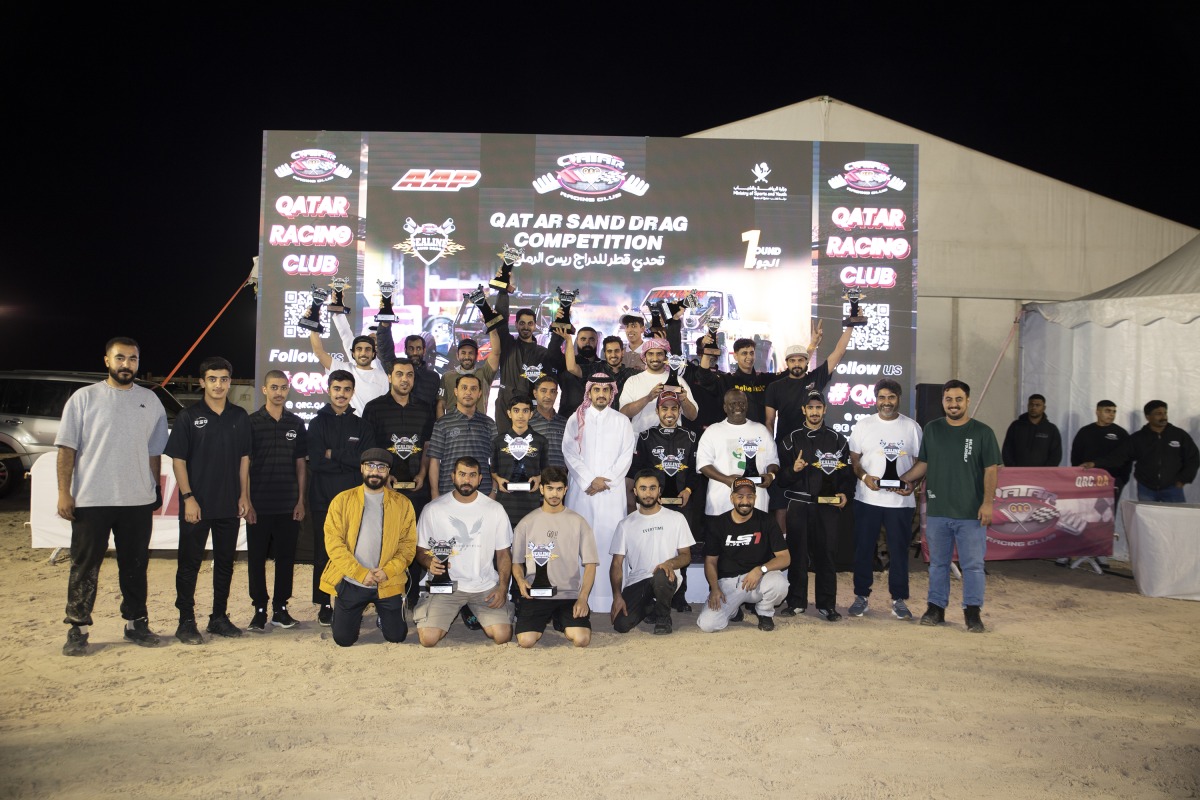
812,530
192,538
273,535
655,592
130,527
320,556
352,601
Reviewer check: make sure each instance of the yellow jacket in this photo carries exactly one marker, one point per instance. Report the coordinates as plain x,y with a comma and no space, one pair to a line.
341,536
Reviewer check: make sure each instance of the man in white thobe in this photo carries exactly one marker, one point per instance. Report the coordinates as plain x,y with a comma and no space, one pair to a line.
598,447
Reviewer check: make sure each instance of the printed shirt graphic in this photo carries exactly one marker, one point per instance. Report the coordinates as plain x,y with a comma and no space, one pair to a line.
479,529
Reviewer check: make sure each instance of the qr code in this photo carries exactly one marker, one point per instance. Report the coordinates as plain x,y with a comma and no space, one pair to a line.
295,305
876,334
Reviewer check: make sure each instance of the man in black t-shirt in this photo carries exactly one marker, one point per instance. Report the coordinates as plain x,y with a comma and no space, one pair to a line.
744,556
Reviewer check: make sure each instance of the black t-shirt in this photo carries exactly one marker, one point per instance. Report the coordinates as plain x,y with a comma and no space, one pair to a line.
744,546
277,445
213,446
755,386
788,396
403,430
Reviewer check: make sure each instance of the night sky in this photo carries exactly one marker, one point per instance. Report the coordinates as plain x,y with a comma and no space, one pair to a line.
134,143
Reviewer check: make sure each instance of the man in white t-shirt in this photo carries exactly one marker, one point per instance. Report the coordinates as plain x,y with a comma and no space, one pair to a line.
883,447
474,529
640,392
649,549
370,379
728,447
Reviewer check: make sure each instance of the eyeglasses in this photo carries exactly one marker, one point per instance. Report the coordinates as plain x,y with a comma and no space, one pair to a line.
376,466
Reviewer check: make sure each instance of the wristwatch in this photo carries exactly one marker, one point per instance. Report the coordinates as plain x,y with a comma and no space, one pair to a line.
186,495
764,569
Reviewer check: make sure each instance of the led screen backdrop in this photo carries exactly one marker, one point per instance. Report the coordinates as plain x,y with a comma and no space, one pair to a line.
770,233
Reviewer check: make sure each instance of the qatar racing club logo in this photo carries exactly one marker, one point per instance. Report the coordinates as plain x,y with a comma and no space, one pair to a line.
867,177
313,166
428,241
591,177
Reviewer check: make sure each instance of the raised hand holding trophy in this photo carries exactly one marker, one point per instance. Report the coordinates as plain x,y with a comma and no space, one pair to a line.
566,297
509,258
312,318
689,300
386,290
338,306
856,319
440,551
490,318
541,555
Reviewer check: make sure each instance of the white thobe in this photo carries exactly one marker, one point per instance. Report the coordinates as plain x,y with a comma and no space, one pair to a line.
638,386
607,452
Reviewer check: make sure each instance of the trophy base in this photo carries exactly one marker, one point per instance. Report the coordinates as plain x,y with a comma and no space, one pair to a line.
520,487
311,325
854,322
386,318
543,591
442,588
892,483
404,485
499,284
339,309
829,501
670,501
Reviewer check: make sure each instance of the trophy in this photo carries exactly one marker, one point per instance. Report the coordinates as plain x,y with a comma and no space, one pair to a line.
891,477
565,298
750,452
675,362
386,289
490,318
338,306
658,317
312,318
672,466
441,550
689,300
541,555
403,447
856,318
518,448
509,258
828,463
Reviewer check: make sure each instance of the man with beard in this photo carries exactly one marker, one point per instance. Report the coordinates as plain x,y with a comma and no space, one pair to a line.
370,535
572,363
463,431
562,542
614,354
598,447
522,359
337,438
110,442
744,556
887,437
727,450
475,531
426,382
209,449
815,467
1032,440
278,477
642,389
547,421
468,364
960,461
650,550
370,376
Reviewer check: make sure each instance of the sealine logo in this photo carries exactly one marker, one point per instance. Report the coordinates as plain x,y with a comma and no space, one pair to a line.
313,166
591,178
867,177
437,180
428,241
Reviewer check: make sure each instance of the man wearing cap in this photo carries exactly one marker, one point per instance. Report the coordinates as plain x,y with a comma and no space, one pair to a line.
371,538
598,447
642,389
727,450
468,363
744,558
635,329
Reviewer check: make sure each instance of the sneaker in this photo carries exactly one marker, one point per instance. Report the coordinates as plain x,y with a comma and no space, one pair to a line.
77,642
325,615
259,623
662,627
188,633
859,606
766,623
470,620
681,605
974,623
739,616
900,610
829,614
1062,562
792,611
282,619
934,615
221,626
140,633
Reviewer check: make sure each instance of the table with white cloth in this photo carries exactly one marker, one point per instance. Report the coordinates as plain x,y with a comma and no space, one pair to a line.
1164,548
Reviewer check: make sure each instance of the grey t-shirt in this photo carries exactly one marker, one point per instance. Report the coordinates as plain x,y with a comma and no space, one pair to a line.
370,533
574,546
114,433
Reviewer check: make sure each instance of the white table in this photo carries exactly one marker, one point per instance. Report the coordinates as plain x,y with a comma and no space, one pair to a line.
1164,548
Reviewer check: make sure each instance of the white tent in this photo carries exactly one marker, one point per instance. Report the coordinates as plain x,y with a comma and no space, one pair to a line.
1133,342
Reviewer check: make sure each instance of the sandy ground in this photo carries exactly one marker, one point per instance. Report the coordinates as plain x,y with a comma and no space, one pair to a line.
1081,688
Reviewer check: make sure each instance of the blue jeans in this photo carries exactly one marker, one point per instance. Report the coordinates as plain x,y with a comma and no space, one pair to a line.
943,535
1172,494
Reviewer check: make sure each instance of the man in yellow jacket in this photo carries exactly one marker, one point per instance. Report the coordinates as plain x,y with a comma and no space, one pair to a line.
371,538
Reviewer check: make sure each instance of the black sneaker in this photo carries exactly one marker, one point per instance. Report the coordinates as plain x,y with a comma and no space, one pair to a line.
282,619
469,619
829,614
140,633
681,605
662,627
792,611
188,633
974,623
259,623
739,616
934,615
77,642
766,623
325,615
221,626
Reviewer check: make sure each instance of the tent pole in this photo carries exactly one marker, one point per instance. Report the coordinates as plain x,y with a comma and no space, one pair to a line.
1011,333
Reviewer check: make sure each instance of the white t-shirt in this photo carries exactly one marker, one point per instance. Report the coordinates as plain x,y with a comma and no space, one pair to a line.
870,438
478,529
647,540
721,447
638,386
